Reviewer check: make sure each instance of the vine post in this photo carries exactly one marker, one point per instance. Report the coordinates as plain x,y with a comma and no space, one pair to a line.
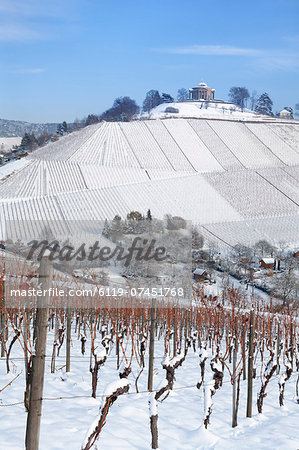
152,346
68,335
250,364
39,358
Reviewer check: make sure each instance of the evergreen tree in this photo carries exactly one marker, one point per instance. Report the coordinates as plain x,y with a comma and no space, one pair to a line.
135,223
29,142
182,95
264,105
59,130
64,127
149,215
25,142
117,228
152,99
167,98
91,119
106,230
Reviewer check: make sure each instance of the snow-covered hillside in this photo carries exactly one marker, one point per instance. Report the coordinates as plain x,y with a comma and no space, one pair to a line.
202,109
222,174
7,143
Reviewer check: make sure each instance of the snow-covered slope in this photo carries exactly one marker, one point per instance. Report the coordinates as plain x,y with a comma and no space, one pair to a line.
200,109
7,143
222,174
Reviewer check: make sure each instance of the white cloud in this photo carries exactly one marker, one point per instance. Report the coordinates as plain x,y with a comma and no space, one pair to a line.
279,61
211,50
36,19
259,58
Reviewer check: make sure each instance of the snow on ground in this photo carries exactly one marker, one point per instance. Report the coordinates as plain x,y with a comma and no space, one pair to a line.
203,109
7,143
201,159
256,197
13,167
235,171
250,151
278,146
66,421
272,229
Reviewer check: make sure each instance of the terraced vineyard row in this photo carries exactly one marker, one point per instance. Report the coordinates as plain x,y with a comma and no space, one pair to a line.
225,175
179,144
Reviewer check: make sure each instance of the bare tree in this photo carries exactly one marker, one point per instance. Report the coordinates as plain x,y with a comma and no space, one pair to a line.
182,95
286,284
253,100
239,96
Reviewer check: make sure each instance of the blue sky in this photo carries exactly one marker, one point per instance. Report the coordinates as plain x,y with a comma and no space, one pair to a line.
62,60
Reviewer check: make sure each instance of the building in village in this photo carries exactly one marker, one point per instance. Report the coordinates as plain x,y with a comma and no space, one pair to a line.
285,114
200,275
267,263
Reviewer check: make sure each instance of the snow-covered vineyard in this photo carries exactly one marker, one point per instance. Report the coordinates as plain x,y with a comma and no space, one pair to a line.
215,369
97,366
239,180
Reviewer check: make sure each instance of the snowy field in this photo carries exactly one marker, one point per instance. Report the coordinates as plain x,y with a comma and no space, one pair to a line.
7,143
211,171
201,109
69,411
65,422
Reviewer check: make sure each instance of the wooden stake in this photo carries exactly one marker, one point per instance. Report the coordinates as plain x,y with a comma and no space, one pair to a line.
278,350
68,335
38,360
250,365
244,349
174,334
117,350
3,329
152,346
235,357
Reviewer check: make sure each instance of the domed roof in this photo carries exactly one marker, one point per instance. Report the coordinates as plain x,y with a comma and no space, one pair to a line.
203,84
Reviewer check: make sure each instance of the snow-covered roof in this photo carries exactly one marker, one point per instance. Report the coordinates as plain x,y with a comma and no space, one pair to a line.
199,272
268,260
202,84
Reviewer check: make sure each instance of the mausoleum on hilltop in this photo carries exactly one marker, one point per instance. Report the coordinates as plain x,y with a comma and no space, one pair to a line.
202,92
